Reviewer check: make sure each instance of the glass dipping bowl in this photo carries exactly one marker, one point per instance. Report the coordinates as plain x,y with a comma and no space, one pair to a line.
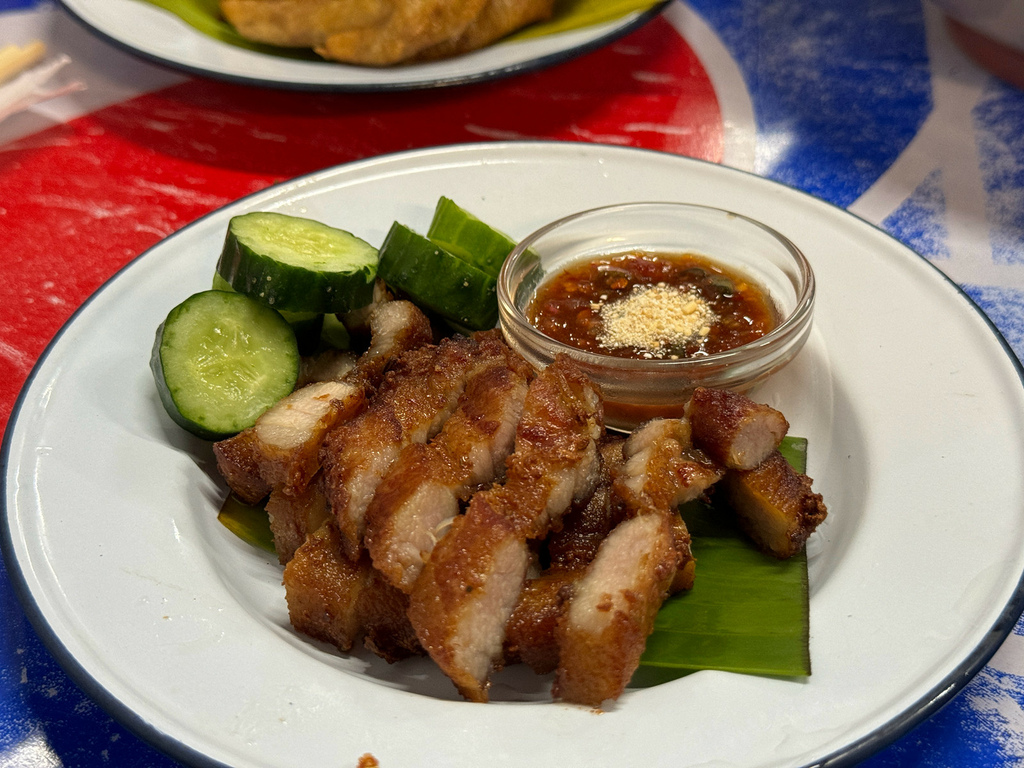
636,390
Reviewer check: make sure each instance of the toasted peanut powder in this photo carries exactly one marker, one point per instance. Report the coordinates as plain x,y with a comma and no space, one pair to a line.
654,319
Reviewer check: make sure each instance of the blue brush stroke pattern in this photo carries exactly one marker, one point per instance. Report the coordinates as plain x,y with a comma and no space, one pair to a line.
1005,307
838,93
980,727
920,219
17,5
999,126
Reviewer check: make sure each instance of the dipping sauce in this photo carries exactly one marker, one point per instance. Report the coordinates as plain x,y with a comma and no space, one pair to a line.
645,305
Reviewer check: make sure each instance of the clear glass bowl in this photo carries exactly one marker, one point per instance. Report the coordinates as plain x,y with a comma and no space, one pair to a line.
636,390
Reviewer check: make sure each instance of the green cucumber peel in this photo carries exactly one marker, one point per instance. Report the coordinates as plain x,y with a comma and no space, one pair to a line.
464,235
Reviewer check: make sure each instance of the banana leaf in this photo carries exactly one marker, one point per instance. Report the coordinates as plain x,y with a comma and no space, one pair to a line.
248,522
204,15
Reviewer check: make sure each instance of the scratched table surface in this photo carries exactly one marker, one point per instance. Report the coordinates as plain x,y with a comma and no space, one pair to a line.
874,109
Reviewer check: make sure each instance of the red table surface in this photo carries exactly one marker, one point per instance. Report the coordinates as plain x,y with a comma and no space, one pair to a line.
86,197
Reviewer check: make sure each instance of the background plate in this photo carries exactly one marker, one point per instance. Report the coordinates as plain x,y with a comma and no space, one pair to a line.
162,37
910,400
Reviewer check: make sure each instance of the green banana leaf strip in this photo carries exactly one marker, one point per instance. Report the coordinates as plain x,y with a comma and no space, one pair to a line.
204,15
747,612
248,522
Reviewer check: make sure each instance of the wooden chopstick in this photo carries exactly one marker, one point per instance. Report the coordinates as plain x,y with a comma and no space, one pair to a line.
15,59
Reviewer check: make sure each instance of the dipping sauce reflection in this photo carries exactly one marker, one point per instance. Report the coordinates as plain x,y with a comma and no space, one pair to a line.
652,306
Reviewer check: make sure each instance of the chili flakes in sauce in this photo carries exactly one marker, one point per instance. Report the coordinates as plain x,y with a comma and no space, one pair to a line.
652,306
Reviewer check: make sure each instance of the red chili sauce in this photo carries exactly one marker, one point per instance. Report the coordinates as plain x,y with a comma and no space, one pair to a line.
652,305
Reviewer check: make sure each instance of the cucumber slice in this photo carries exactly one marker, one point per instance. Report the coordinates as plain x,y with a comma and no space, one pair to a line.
297,265
437,280
306,325
464,235
334,333
220,360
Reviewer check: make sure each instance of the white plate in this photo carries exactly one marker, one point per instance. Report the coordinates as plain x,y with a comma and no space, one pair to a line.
911,401
163,37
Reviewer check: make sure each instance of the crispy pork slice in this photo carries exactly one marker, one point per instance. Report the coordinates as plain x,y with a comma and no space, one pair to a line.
774,505
530,633
395,328
686,563
411,26
734,430
604,630
283,447
463,599
328,365
332,599
555,459
416,397
293,516
497,19
660,470
591,519
424,486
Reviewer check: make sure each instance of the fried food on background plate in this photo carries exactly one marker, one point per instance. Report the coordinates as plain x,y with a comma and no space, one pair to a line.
382,32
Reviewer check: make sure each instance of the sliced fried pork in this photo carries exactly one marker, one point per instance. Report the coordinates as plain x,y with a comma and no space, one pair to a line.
775,505
328,365
338,601
589,520
734,430
555,460
282,448
530,633
395,328
293,516
462,601
416,397
660,470
423,487
604,630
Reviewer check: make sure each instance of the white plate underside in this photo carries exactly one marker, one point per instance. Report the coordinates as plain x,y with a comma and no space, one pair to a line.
912,406
164,37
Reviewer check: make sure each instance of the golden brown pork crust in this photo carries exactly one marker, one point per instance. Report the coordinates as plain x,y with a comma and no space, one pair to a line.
602,634
338,601
425,484
238,460
734,430
416,397
555,459
530,633
590,520
462,600
775,505
293,516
